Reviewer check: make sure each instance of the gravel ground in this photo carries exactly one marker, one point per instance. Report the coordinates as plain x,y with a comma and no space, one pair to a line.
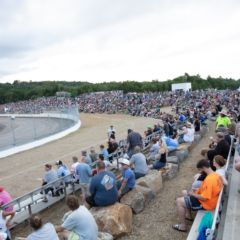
156,221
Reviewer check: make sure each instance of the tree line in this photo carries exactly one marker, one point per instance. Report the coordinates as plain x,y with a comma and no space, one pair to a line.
21,90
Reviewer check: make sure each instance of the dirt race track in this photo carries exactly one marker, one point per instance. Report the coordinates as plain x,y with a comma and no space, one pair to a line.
23,172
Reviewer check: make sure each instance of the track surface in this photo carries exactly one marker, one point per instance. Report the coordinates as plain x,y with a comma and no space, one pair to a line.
25,130
22,172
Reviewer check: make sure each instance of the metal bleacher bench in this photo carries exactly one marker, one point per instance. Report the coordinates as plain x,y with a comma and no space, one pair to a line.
193,234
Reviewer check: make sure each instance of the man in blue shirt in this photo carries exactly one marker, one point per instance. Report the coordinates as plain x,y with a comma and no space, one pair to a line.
128,178
102,188
84,174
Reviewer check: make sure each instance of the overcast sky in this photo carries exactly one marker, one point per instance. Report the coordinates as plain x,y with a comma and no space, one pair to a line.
118,40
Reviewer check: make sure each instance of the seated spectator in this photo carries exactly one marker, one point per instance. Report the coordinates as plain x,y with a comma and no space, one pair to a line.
187,134
88,159
205,197
112,147
40,231
172,144
223,120
73,168
226,134
219,163
154,149
140,163
4,199
222,149
128,178
50,176
63,171
102,188
161,158
93,155
84,173
107,164
78,223
149,131
104,152
5,220
197,124
156,128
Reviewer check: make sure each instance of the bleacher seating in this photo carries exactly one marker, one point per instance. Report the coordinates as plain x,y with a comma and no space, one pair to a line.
193,234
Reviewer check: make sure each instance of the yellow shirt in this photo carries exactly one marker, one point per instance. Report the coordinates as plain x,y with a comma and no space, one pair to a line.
225,121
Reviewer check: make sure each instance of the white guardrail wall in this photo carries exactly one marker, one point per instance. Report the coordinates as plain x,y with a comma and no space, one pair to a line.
39,142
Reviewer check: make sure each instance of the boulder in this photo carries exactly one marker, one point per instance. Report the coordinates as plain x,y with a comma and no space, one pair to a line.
197,137
134,199
104,236
115,219
152,180
172,159
170,171
148,194
181,154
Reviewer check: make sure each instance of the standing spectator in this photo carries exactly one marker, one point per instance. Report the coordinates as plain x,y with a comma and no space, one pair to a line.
103,188
139,162
133,139
84,173
104,152
128,178
107,164
79,222
73,168
205,197
5,198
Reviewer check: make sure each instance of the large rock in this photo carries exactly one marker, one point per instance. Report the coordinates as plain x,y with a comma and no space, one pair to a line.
172,159
148,194
134,199
152,180
197,137
115,219
182,154
170,171
104,236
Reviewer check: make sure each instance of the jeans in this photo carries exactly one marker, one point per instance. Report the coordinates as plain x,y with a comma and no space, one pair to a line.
139,175
158,165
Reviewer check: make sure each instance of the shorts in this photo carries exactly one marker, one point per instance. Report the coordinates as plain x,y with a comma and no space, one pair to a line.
192,203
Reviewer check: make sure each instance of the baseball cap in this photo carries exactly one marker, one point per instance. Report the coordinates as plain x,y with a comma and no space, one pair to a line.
124,161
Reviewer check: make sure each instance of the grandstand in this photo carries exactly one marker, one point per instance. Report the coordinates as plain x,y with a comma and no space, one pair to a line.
32,202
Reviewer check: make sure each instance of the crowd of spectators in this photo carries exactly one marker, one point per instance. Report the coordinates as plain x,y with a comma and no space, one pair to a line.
100,187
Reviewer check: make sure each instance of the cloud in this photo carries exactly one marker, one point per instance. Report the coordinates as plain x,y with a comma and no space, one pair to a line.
118,40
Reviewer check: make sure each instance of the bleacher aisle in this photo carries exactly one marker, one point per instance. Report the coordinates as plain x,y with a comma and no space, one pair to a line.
231,229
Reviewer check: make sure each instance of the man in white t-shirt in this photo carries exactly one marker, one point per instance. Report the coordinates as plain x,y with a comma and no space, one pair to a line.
187,134
80,222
